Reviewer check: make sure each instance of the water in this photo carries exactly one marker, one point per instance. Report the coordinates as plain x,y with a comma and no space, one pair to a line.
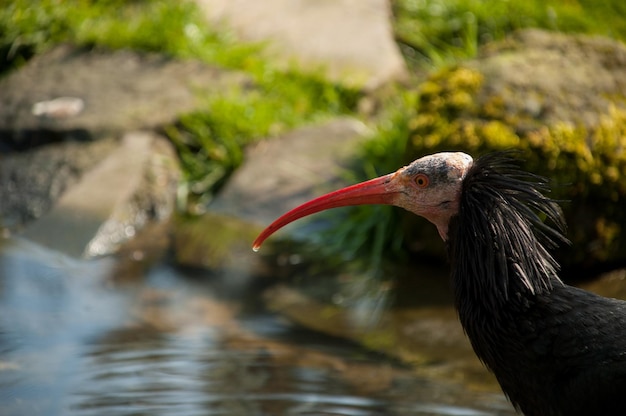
141,335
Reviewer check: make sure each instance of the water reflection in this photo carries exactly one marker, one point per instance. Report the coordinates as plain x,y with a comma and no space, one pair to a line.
77,339
192,375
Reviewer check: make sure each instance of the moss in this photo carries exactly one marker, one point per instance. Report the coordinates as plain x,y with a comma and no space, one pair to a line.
586,164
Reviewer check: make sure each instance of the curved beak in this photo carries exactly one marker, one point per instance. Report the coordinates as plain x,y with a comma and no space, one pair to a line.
382,190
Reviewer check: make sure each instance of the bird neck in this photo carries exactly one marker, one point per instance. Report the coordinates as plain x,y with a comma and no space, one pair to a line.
498,246
498,249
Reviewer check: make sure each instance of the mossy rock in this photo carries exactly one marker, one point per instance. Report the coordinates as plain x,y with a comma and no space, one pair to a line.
561,100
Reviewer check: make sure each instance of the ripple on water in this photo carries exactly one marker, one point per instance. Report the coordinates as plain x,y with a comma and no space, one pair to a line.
171,374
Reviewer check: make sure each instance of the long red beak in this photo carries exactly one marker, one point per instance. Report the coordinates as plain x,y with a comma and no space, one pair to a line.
381,190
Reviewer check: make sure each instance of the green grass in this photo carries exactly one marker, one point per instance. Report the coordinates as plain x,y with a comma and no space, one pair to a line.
28,27
439,32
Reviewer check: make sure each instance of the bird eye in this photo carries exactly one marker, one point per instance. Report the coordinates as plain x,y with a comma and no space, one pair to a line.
421,180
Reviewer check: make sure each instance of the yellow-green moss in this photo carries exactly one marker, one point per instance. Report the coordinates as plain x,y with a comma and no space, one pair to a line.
587,165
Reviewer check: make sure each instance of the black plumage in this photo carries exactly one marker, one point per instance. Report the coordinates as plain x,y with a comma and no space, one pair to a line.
555,349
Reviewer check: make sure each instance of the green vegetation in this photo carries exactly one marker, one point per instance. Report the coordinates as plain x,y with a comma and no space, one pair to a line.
28,27
441,32
439,112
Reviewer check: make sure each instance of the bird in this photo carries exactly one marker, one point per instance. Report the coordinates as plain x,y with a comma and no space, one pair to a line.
554,349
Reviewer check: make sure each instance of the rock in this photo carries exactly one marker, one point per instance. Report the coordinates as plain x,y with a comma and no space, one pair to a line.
216,242
136,183
64,112
31,181
554,78
92,94
611,284
352,39
561,100
281,173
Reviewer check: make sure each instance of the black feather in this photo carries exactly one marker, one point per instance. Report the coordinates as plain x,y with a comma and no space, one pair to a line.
500,208
555,349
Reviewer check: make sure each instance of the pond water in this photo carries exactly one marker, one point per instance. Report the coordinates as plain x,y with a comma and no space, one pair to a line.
143,334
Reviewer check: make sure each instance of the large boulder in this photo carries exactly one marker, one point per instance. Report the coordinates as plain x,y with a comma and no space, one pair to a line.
559,98
350,39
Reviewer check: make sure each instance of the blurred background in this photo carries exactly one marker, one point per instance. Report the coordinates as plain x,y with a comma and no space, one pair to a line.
144,144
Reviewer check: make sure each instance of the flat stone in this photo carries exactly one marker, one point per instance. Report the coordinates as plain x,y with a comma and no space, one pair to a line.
74,93
351,39
284,172
134,184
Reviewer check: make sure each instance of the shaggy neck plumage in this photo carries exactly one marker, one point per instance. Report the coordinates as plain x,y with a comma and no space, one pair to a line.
498,245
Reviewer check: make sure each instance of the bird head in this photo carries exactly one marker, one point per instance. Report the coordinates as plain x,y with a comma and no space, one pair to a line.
429,187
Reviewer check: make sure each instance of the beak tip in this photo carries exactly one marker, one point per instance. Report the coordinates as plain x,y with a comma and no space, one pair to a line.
256,245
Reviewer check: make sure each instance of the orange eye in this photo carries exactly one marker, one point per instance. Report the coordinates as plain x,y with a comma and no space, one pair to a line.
421,180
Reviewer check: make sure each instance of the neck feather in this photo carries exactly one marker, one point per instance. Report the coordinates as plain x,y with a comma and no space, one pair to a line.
498,244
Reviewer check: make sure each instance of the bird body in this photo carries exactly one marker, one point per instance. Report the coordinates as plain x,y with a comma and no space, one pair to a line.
556,350
555,353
